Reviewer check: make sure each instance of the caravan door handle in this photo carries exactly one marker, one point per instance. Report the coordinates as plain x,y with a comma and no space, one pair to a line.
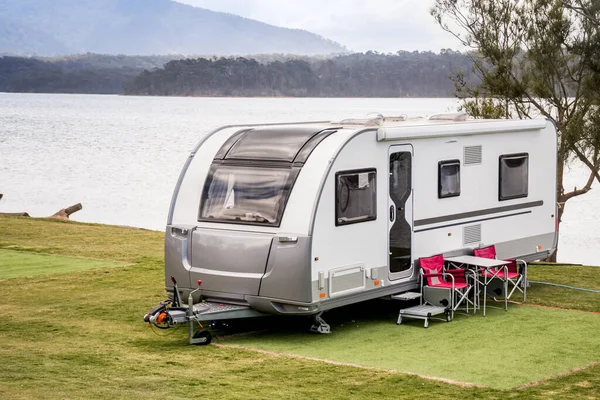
392,208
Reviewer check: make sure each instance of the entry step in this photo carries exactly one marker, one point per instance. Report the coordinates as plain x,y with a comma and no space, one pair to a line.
424,312
406,296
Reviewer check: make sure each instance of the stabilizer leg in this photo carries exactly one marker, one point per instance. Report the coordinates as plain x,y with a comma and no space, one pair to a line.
319,325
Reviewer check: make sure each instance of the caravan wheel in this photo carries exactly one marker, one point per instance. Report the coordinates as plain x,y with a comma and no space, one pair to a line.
203,334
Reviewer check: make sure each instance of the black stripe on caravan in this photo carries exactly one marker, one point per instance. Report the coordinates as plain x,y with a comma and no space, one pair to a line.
477,213
473,221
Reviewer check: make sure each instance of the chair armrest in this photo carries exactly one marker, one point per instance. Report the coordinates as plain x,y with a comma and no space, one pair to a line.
443,275
429,275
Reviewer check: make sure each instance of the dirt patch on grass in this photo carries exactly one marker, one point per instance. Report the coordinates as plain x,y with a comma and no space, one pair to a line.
574,370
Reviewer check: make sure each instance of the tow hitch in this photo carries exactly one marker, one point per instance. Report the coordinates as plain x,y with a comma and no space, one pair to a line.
170,313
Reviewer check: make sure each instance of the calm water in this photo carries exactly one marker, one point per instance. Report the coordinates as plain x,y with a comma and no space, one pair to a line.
121,156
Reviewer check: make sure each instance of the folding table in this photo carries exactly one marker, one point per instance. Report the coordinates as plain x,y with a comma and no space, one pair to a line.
492,268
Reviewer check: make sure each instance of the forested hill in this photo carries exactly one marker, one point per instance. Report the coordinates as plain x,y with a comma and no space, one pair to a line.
88,73
142,27
358,75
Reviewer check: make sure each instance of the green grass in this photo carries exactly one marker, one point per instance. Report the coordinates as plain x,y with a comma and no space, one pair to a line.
80,335
81,240
581,277
15,264
496,350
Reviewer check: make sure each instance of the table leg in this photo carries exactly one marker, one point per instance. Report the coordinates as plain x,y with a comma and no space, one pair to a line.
505,288
484,292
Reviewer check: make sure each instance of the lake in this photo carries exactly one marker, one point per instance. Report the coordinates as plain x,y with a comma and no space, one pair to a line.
121,156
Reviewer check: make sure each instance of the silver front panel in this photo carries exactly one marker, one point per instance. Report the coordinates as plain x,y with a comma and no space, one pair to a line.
229,261
288,274
177,255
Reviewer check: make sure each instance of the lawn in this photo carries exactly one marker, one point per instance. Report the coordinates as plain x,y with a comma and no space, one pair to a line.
16,264
502,350
79,334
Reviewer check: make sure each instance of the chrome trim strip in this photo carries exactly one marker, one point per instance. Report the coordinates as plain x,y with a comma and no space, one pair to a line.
473,221
229,274
478,213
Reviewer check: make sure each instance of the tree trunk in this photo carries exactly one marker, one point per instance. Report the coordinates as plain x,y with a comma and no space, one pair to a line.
66,212
21,214
560,211
560,167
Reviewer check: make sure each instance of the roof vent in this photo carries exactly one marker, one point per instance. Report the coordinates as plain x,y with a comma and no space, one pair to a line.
373,119
376,120
455,117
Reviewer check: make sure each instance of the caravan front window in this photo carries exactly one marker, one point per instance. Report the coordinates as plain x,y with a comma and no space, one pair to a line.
246,195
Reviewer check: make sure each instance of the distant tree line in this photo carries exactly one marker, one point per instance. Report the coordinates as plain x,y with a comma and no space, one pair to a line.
86,73
404,74
371,74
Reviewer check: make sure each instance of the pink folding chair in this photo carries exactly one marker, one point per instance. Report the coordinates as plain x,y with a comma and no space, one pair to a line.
453,281
518,280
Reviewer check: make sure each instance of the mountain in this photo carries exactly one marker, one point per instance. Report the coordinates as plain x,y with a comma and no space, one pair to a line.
143,27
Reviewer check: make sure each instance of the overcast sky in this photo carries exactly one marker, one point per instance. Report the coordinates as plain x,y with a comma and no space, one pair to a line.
360,25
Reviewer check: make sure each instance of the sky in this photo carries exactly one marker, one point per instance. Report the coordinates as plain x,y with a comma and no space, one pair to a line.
360,25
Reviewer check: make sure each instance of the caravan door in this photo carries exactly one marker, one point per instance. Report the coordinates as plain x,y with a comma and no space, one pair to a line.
400,212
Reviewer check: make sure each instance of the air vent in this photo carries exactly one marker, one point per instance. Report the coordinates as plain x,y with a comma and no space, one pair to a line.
346,279
472,234
473,155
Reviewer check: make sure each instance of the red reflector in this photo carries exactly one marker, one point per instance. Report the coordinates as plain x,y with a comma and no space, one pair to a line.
199,282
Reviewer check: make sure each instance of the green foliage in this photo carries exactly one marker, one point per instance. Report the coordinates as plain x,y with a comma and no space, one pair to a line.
485,108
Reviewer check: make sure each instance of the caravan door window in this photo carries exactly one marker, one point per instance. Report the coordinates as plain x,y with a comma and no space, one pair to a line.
448,178
514,176
355,196
246,195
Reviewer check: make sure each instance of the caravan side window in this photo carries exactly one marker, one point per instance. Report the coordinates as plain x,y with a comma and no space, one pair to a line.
514,176
355,196
448,178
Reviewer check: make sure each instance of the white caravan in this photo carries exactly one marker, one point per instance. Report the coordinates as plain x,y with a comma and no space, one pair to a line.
300,218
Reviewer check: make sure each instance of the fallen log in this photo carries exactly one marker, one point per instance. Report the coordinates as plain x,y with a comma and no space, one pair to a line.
21,214
66,212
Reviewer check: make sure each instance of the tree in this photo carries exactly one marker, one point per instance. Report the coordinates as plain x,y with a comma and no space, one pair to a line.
534,58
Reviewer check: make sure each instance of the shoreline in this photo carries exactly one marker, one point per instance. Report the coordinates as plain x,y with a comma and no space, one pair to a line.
228,97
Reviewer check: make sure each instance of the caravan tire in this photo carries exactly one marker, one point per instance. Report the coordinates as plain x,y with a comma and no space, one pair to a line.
203,334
